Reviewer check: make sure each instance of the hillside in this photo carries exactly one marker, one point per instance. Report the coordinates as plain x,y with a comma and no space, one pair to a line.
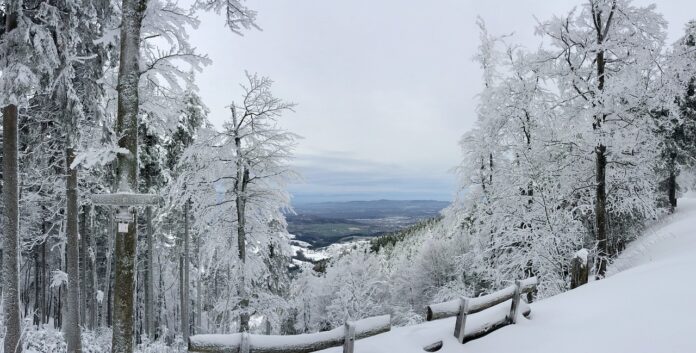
644,305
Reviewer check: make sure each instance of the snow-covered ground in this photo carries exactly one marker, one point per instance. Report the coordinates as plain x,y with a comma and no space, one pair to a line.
647,304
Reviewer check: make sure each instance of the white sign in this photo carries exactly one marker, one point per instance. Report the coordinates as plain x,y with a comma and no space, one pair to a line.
123,227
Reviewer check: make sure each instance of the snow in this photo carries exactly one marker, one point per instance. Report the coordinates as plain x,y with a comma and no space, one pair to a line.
608,315
309,254
582,254
301,342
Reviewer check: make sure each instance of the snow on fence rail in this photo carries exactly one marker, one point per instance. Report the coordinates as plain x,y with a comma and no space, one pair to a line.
498,317
249,343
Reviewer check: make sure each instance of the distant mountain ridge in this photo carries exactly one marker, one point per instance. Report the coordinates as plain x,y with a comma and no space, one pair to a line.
371,209
325,223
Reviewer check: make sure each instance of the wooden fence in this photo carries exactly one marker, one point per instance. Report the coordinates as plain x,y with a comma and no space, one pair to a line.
463,307
305,343
347,334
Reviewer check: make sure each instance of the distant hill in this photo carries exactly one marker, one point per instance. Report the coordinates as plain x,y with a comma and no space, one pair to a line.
325,223
373,209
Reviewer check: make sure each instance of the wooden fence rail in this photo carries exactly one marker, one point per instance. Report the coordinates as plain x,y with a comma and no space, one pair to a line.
463,307
305,343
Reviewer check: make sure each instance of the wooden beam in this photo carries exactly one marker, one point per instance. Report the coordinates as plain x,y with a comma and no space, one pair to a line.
305,343
451,308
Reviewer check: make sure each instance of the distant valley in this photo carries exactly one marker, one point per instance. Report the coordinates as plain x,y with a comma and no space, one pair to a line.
319,225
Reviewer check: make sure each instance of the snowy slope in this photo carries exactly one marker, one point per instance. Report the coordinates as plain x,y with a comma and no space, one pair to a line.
647,305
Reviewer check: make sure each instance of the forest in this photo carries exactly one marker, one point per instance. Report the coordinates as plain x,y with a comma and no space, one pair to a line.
130,222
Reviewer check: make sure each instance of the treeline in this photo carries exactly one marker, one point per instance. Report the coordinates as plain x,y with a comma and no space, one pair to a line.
89,89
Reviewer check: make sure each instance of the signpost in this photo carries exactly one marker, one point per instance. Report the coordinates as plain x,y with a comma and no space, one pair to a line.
124,199
125,249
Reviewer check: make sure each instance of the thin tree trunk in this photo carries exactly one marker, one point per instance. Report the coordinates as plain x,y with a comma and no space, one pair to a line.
37,287
241,181
161,299
72,327
84,238
149,281
601,209
44,280
199,294
672,183
93,275
184,277
106,293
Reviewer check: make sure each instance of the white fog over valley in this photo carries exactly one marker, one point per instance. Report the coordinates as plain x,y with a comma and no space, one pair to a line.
384,176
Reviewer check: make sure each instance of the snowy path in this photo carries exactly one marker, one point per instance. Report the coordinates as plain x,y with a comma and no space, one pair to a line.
647,305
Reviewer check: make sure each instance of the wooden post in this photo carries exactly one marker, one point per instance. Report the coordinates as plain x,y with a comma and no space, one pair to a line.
461,319
349,342
580,270
244,346
514,308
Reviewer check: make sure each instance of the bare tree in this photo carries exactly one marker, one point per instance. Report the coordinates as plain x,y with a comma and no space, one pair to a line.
260,146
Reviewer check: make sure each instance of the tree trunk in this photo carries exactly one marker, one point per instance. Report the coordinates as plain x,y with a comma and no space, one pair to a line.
672,183
149,280
241,244
106,293
601,28
127,127
45,311
184,277
72,327
36,320
84,284
601,210
11,254
93,276
199,290
240,185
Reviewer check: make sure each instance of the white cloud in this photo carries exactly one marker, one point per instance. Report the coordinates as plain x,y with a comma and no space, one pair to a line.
388,82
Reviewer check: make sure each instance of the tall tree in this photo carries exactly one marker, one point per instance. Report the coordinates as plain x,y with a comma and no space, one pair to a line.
127,172
259,146
10,192
605,57
23,74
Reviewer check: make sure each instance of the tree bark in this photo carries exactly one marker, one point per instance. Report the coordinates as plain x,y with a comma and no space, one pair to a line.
199,290
93,276
601,209
106,294
601,29
11,250
45,305
84,284
240,185
149,280
672,183
11,254
72,328
184,268
37,287
127,127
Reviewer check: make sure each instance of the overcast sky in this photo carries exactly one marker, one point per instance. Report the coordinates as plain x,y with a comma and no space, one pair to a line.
385,88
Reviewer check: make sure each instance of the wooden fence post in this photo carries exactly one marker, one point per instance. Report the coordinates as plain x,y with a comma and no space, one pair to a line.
461,319
244,346
515,303
580,270
349,341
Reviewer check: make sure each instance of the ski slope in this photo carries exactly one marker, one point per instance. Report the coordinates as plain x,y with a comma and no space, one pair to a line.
646,304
